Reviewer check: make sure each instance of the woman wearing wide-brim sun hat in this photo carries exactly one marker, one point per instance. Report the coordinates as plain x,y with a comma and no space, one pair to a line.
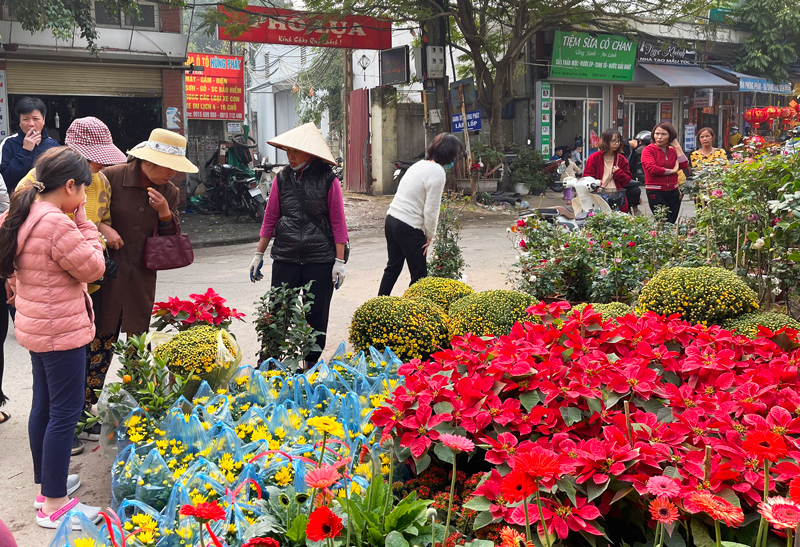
143,199
305,217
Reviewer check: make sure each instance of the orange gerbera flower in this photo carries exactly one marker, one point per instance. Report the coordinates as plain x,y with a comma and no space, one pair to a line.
716,507
512,538
664,511
763,444
780,512
323,477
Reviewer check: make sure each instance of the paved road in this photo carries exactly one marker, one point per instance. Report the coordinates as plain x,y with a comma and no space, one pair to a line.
488,253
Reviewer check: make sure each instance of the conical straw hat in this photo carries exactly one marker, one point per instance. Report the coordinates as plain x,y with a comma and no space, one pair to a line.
305,138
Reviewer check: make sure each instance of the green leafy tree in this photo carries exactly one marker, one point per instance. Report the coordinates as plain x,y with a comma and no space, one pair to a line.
67,17
320,89
775,40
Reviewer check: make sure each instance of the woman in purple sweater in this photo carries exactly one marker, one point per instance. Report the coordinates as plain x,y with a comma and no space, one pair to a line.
305,217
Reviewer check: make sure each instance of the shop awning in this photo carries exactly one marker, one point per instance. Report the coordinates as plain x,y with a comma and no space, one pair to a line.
685,76
753,83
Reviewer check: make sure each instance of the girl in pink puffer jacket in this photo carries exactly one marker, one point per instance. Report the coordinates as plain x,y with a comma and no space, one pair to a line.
49,259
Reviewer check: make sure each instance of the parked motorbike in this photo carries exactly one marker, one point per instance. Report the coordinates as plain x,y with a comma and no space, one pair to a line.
229,190
590,198
555,168
401,166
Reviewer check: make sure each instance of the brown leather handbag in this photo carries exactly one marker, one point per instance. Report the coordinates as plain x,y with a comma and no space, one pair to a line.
168,252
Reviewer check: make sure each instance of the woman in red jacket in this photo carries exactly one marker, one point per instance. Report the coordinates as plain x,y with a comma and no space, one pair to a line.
661,162
609,165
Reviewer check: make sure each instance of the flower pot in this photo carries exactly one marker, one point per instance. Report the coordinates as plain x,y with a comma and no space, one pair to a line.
521,189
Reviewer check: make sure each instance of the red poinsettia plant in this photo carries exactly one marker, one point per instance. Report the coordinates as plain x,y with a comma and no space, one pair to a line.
587,421
202,309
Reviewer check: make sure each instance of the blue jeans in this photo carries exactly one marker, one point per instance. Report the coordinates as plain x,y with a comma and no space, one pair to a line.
59,378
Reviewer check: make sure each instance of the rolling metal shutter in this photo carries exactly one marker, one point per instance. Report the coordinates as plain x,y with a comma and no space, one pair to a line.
27,78
660,92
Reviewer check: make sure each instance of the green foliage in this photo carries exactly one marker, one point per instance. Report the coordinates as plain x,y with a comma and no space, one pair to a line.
705,295
412,327
320,89
441,291
487,155
527,169
490,313
446,258
748,323
283,331
607,311
773,44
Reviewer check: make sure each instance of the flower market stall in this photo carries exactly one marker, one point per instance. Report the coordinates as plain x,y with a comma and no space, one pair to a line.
553,426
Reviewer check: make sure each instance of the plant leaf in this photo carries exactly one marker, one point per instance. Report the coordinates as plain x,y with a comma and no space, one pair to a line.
483,519
395,539
529,399
297,531
478,503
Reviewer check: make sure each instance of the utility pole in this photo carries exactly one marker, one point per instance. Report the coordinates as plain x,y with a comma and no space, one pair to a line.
434,33
347,87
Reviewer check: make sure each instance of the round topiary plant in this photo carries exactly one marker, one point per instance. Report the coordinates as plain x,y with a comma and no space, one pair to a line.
748,323
439,290
490,313
412,327
705,295
608,311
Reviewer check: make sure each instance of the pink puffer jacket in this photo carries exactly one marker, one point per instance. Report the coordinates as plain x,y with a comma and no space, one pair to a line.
55,261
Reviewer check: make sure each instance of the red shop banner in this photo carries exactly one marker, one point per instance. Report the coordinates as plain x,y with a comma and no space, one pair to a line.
283,26
217,93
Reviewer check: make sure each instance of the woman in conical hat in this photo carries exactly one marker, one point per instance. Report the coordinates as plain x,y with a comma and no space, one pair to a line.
305,217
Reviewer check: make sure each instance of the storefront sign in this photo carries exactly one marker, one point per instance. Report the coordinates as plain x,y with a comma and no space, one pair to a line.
655,53
703,98
473,121
545,101
234,127
3,106
666,111
217,93
760,85
603,57
283,26
688,137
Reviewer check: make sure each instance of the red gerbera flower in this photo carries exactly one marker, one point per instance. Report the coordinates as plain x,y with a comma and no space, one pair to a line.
763,444
267,542
204,512
664,511
323,524
517,486
538,463
780,512
716,507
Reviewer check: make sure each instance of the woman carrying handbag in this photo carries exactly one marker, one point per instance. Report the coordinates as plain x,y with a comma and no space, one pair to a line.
144,202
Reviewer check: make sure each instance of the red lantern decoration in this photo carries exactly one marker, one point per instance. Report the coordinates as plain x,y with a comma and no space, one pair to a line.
749,115
787,113
795,105
772,112
759,116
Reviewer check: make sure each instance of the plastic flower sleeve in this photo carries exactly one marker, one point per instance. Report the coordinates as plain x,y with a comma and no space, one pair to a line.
350,415
113,408
203,394
227,360
141,524
124,473
154,482
66,536
324,401
220,408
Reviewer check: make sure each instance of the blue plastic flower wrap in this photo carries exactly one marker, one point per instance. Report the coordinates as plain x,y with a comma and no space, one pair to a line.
114,408
125,473
154,481
203,394
176,526
65,536
141,524
220,409
137,426
186,429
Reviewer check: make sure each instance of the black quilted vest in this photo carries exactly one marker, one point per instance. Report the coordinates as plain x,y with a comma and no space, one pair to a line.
297,239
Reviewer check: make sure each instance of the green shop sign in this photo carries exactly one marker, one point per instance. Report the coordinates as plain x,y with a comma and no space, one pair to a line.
593,57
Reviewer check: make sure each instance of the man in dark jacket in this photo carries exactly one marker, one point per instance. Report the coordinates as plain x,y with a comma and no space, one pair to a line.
19,151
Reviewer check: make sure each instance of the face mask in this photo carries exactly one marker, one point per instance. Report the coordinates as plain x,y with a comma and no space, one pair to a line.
448,166
301,166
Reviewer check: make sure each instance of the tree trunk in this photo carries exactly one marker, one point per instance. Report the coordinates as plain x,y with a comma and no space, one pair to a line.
497,137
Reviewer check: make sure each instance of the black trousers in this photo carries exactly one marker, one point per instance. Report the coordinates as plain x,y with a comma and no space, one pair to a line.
404,244
297,275
671,199
3,333
634,196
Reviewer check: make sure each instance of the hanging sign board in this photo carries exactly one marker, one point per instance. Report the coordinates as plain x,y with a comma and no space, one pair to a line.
544,102
394,66
587,57
298,28
703,98
469,93
689,137
656,53
473,121
217,93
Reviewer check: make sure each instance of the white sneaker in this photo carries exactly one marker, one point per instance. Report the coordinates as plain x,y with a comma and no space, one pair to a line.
54,521
73,483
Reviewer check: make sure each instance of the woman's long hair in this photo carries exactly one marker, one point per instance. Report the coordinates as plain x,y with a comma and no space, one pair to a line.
54,169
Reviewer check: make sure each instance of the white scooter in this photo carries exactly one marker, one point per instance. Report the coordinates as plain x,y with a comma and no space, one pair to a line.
588,200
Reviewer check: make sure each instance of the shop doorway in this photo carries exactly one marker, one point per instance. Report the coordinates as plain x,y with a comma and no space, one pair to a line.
577,122
643,116
130,119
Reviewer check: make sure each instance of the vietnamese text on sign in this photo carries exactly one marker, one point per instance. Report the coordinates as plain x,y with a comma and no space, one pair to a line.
582,55
217,93
473,121
283,26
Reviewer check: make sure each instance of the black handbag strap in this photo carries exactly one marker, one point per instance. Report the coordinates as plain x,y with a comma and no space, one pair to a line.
313,219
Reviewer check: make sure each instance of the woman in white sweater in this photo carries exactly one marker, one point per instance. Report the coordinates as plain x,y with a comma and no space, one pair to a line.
414,211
